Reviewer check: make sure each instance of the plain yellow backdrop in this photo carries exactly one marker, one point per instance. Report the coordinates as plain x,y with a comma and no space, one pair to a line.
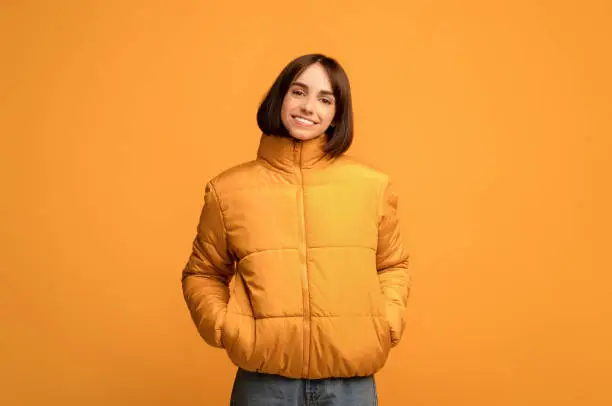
493,118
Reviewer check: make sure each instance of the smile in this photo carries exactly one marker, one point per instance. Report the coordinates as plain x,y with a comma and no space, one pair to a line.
303,121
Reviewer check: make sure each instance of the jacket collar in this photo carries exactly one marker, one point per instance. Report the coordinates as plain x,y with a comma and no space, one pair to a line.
289,154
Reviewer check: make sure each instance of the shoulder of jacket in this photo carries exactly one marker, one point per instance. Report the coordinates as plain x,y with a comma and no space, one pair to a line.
365,169
234,176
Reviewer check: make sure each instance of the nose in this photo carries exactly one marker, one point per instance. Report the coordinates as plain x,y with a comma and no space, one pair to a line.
308,105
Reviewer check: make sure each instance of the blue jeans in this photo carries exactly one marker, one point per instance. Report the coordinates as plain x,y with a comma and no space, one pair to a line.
257,389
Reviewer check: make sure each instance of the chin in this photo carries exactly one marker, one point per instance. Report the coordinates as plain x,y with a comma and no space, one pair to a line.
303,135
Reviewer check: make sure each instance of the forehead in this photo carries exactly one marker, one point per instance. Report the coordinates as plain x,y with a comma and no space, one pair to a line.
316,77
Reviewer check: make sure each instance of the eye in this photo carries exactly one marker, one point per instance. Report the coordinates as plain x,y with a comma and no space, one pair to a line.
298,92
326,101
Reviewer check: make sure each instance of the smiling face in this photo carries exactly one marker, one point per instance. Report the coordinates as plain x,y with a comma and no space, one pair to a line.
309,106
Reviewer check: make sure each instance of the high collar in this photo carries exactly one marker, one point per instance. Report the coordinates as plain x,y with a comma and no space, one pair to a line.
290,154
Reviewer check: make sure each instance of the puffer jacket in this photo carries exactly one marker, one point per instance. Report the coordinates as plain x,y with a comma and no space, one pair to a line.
311,249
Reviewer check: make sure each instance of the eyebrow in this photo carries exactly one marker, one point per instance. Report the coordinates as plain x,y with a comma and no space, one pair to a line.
322,92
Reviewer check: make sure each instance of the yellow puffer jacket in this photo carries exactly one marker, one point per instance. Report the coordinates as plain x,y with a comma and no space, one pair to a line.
317,268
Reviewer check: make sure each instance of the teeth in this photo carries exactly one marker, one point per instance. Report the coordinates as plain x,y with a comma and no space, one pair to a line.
303,120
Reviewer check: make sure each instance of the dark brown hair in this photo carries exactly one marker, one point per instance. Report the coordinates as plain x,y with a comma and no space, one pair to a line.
340,135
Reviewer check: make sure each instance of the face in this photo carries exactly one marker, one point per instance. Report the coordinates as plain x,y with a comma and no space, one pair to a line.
309,105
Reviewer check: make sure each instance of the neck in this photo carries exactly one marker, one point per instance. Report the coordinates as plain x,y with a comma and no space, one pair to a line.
289,154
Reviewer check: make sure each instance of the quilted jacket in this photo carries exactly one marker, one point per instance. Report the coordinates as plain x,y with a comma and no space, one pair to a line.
298,267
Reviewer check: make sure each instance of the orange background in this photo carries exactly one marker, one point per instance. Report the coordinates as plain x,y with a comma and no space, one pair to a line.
493,118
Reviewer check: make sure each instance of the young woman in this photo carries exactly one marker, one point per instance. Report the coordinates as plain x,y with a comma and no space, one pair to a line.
311,241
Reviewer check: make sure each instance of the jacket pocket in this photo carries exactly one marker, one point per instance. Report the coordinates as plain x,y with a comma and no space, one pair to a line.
386,333
396,324
380,319
230,330
239,325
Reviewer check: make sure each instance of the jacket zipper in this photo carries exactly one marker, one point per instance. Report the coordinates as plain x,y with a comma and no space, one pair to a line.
304,259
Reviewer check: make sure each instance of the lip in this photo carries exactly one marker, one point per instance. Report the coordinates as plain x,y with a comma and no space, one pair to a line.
295,117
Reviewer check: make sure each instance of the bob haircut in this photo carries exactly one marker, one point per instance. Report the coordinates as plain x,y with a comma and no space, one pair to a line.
340,132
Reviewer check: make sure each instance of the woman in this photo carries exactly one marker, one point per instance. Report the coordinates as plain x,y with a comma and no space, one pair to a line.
310,239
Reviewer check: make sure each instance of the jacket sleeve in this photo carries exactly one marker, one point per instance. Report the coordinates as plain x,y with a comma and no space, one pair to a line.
206,276
392,265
